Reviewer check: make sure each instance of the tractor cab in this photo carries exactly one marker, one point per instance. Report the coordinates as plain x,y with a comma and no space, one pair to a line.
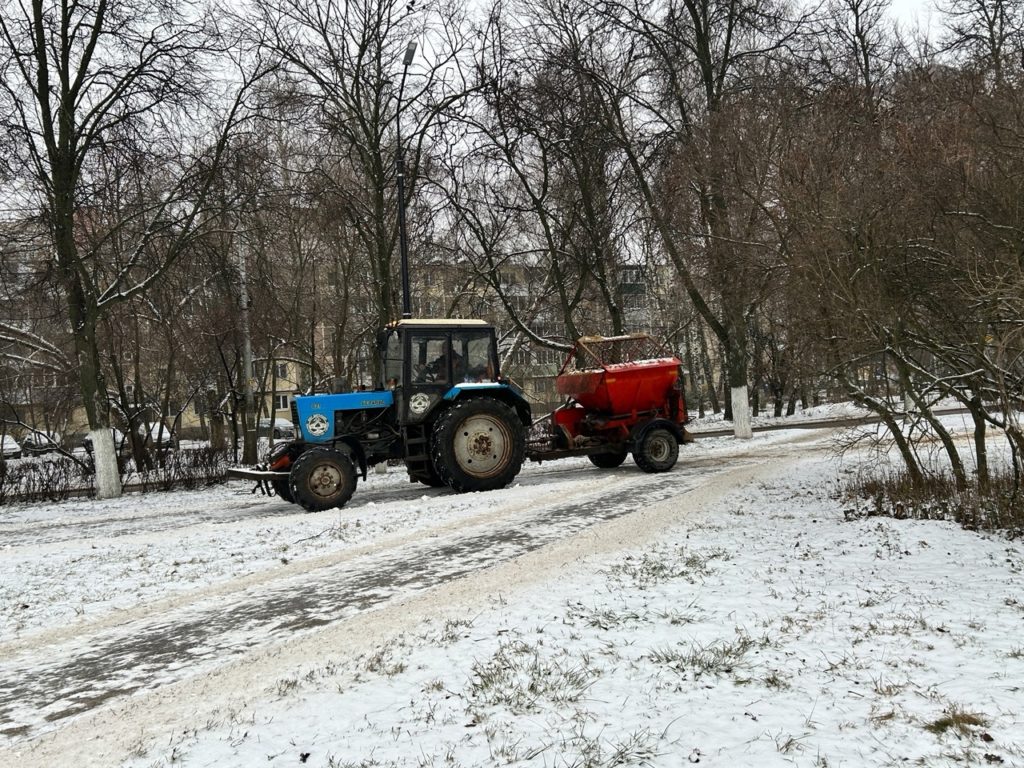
426,362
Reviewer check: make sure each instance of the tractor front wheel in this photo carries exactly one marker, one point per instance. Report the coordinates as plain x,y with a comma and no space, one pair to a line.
322,478
282,489
656,451
478,445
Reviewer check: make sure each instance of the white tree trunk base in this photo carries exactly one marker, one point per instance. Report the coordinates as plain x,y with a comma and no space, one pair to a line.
741,414
104,454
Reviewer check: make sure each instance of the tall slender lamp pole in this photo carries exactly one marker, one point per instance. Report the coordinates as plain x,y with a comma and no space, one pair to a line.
403,243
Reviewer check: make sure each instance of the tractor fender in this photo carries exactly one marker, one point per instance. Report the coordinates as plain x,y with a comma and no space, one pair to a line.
636,435
506,392
354,449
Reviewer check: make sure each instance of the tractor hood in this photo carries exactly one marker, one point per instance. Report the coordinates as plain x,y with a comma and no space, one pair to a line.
314,415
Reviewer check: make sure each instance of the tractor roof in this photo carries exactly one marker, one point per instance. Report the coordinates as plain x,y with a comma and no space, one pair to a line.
441,321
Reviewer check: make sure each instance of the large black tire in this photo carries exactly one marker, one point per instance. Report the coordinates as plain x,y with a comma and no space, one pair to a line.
608,460
322,478
657,450
282,489
429,477
478,445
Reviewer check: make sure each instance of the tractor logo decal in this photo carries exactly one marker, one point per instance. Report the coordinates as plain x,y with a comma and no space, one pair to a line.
317,425
419,403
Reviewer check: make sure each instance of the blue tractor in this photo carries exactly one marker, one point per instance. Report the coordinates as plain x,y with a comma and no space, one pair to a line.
444,410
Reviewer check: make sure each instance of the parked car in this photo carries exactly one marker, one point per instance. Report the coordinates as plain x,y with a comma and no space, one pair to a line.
121,444
283,429
157,435
9,448
40,441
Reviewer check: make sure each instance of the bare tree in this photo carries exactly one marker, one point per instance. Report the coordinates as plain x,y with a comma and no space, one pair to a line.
544,205
344,61
85,81
681,67
988,33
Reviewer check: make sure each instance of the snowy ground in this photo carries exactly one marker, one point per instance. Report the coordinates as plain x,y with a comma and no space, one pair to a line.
733,617
843,410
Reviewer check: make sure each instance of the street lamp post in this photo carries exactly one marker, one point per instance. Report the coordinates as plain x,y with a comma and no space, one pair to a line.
403,243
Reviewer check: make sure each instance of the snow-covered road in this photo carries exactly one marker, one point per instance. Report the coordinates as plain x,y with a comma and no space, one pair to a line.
724,611
175,626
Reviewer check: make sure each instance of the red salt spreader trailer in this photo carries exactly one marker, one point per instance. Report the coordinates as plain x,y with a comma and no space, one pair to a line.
624,395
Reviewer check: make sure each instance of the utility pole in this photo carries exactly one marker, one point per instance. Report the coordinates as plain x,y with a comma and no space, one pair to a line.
248,412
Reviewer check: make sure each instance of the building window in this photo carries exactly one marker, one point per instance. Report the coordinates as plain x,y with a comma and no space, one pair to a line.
280,402
546,330
520,302
549,356
634,301
632,287
521,357
282,370
631,274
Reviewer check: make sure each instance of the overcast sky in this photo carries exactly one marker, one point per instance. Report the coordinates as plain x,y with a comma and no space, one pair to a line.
911,13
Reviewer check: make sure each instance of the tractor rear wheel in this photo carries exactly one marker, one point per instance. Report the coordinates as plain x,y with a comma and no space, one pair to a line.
322,478
608,460
478,445
656,451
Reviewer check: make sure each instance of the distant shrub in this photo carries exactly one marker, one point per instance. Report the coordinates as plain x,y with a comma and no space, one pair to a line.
187,469
58,479
50,480
999,507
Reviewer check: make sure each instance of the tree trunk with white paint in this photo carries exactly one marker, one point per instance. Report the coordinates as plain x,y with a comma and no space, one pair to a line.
741,413
108,477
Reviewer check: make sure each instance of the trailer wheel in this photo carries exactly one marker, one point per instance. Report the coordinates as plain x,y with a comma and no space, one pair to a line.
657,450
478,445
282,489
322,478
608,460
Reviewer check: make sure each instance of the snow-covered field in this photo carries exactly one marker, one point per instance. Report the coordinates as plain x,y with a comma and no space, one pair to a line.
730,616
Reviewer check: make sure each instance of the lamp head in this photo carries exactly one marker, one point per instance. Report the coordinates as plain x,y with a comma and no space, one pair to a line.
409,53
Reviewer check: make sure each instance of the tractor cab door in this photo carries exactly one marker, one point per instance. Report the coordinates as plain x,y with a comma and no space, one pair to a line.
426,372
449,357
